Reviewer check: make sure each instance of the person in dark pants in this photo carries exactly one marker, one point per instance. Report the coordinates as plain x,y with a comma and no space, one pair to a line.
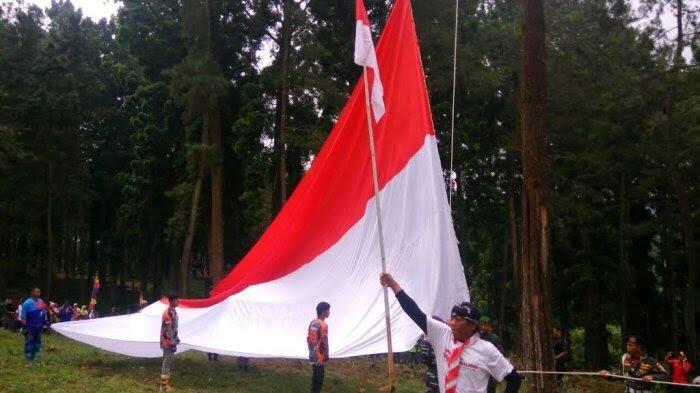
317,341
561,354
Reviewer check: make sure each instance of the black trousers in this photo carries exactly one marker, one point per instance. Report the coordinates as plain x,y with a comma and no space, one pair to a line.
491,388
317,378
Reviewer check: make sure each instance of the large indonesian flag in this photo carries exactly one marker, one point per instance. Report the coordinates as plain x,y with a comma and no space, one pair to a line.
323,245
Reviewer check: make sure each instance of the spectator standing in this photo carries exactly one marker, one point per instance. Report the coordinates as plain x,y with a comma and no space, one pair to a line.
33,317
561,353
8,317
168,341
680,368
317,341
65,313
637,364
19,325
487,333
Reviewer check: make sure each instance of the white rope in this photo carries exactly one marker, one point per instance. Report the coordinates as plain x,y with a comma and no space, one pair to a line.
454,88
616,376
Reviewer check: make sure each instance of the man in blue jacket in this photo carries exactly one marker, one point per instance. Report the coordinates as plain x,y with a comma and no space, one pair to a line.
34,318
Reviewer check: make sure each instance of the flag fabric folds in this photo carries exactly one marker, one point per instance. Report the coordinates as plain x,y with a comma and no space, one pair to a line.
323,245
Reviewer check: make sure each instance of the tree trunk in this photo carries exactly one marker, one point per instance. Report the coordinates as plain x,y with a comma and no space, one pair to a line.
65,230
687,224
503,287
152,262
186,257
48,278
596,337
535,314
216,239
623,268
514,247
679,191
6,268
688,230
283,99
672,293
124,272
75,244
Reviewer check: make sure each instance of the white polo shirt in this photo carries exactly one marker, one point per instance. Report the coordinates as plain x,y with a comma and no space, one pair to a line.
480,359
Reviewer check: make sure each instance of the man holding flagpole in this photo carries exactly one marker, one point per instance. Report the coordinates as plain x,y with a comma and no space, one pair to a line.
464,361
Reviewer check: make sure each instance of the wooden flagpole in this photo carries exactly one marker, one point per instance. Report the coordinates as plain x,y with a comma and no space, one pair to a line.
373,154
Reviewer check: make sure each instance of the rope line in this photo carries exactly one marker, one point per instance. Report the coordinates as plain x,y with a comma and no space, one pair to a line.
454,88
615,376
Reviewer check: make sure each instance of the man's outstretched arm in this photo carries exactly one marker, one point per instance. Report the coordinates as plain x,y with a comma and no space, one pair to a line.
407,304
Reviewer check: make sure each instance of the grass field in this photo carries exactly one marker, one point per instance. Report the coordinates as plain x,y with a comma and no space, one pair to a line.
66,366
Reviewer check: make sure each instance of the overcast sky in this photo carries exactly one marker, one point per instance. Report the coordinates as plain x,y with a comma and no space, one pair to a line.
97,9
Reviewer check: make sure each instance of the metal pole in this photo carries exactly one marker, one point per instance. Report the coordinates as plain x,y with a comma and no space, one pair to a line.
454,88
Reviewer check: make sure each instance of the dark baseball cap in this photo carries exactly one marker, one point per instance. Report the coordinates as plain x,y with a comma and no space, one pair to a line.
466,310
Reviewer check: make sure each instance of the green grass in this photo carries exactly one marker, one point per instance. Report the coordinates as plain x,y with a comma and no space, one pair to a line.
66,366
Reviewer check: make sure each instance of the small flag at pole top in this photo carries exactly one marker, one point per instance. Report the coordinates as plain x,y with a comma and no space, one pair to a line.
366,56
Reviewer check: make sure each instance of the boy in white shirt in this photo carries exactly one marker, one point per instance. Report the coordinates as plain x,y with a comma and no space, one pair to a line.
464,361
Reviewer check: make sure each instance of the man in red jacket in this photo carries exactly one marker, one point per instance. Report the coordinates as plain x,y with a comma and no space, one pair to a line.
680,366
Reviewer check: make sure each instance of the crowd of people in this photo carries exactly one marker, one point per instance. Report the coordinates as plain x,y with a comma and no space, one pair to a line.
33,316
11,310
